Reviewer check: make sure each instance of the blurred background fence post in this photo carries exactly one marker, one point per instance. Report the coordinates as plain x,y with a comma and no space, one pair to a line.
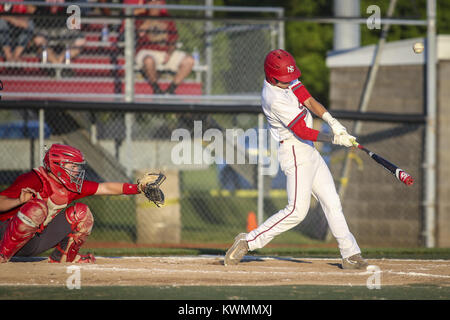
41,113
160,225
129,87
430,132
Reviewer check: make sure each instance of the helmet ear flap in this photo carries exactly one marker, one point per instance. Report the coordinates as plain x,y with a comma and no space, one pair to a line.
46,161
271,80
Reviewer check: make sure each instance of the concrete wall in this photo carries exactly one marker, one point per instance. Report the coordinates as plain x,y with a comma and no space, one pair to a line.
443,154
380,210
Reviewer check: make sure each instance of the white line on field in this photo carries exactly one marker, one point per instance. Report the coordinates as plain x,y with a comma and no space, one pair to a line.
417,274
202,271
253,272
249,258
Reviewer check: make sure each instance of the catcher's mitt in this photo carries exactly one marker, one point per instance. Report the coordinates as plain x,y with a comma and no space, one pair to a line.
149,185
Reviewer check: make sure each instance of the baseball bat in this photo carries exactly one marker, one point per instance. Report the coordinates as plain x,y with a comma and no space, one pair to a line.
392,168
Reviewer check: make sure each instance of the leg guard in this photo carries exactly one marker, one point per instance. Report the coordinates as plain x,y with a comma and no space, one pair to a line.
81,220
22,227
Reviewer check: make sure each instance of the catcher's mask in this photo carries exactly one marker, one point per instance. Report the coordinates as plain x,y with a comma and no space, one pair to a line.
67,164
280,65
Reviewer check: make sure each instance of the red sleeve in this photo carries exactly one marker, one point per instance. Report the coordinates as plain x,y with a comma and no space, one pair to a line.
130,188
20,8
300,92
89,188
298,126
29,179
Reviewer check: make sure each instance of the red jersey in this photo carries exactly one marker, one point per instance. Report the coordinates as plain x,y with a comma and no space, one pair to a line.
160,35
32,180
15,8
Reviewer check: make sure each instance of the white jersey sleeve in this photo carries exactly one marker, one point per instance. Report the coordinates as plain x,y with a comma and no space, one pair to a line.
284,113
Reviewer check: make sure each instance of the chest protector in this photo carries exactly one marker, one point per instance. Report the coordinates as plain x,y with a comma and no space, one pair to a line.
53,193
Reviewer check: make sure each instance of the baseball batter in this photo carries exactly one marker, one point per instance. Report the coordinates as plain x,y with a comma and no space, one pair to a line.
34,212
287,105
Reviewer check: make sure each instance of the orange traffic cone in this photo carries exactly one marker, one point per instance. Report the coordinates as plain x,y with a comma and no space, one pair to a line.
252,223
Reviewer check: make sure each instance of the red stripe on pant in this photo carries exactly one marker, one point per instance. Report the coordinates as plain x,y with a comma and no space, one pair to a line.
295,201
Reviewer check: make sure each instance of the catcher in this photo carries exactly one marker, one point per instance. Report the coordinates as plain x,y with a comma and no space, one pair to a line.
35,215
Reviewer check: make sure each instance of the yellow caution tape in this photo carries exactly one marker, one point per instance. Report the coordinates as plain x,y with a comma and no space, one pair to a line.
247,193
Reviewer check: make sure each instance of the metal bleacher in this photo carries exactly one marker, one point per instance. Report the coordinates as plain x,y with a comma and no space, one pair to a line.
97,74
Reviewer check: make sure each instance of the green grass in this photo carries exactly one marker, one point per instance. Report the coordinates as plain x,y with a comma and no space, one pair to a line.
309,292
114,218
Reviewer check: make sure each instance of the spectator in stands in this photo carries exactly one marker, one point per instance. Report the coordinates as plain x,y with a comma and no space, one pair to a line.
105,11
15,32
156,47
101,11
54,35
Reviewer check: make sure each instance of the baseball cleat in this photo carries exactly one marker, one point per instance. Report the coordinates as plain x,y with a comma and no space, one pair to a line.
237,250
84,258
79,258
354,262
3,259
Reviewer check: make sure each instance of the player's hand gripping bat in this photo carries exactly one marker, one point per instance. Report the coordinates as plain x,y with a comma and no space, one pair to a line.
392,168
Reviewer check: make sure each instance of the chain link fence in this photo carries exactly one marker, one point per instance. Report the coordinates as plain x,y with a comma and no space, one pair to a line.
210,191
73,52
213,158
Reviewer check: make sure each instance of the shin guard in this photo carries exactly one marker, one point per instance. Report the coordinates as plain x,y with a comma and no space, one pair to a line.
22,227
81,220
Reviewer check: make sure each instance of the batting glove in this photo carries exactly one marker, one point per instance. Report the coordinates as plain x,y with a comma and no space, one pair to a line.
345,140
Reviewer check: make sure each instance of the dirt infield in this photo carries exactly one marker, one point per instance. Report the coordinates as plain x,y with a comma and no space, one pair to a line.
210,271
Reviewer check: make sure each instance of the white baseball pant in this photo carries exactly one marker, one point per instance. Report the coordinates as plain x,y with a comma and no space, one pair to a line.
306,173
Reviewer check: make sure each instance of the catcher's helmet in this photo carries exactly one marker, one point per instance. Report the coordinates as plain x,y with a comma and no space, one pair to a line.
55,161
280,65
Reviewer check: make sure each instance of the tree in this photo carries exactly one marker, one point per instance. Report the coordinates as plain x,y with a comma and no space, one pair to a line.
309,42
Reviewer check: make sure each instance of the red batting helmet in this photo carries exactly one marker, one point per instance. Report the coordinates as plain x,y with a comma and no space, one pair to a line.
55,161
280,65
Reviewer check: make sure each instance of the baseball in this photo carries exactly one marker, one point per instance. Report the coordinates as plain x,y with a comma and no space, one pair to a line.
418,47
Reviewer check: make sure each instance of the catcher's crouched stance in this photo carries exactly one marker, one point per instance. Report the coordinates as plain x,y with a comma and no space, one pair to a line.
34,212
